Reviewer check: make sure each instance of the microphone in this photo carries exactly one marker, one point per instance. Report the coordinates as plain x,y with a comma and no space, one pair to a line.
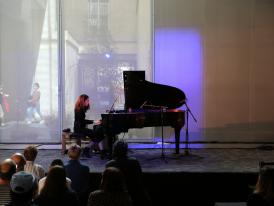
112,106
141,107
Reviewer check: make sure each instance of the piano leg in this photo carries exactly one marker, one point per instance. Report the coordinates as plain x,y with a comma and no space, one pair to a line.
177,139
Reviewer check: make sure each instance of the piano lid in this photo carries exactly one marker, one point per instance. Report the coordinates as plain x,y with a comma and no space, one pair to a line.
139,92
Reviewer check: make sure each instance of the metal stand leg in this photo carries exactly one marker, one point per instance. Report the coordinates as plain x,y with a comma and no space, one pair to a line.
186,152
163,156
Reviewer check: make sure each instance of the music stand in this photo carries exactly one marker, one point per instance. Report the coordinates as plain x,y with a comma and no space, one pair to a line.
162,131
162,108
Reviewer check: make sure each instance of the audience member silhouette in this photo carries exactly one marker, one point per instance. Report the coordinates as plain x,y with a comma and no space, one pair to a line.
55,162
263,194
55,191
113,190
7,169
132,171
19,160
78,173
23,189
30,154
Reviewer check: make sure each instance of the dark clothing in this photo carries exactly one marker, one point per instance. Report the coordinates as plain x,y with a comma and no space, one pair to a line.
69,198
80,123
256,199
79,175
133,174
80,126
101,198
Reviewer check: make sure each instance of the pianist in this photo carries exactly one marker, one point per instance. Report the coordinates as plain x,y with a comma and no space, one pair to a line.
82,105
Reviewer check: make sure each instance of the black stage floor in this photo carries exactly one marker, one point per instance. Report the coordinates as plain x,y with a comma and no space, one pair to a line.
240,160
212,174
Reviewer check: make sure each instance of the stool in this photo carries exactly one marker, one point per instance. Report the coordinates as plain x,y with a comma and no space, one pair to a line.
69,137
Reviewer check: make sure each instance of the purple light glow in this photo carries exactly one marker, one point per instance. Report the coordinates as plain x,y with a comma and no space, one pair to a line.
179,63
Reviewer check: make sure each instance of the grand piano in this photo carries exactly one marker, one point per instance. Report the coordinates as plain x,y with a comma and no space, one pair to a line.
147,104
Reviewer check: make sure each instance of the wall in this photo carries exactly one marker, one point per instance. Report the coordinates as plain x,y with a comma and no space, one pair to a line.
226,49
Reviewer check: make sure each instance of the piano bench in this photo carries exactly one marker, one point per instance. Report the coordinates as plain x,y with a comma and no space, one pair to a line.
69,138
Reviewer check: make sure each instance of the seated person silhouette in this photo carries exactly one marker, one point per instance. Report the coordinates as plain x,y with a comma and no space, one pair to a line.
112,190
82,105
132,171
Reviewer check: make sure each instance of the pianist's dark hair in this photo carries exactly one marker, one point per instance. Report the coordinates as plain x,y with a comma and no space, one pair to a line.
80,102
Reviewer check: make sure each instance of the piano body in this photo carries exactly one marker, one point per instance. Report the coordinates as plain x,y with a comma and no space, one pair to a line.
147,104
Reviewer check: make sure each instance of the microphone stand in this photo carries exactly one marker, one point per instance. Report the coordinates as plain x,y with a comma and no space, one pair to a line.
112,106
188,111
